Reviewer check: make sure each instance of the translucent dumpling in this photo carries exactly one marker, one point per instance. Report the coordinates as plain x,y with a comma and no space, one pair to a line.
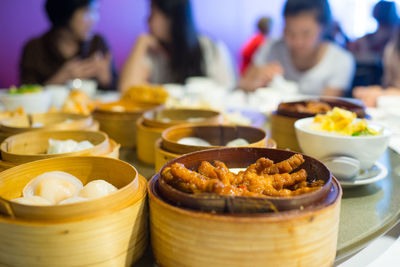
72,200
32,200
193,141
238,142
67,146
54,186
97,188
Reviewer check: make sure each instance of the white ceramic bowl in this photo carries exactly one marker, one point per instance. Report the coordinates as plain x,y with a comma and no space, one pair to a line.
59,94
321,145
89,87
38,102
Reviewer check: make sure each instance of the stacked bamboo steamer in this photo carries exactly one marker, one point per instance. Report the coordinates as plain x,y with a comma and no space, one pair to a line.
107,231
32,146
46,121
168,148
305,236
118,120
151,125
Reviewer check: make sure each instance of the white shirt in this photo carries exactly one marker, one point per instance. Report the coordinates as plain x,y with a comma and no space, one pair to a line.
334,70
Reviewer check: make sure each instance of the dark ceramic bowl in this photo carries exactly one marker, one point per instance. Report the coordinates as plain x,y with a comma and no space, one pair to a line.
287,108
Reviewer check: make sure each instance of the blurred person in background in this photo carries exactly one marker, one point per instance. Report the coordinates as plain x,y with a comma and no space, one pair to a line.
173,50
391,75
264,25
70,49
319,67
368,50
337,35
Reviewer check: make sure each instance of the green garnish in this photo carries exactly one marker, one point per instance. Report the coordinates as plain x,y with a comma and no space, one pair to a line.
25,89
365,132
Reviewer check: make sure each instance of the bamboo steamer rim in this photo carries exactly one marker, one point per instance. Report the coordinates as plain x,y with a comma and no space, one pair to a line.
168,143
331,101
102,110
141,195
141,126
79,122
126,194
244,218
149,117
112,152
113,146
158,146
98,149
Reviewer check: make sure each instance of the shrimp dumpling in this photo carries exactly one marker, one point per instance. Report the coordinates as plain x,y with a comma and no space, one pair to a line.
72,200
32,200
97,188
54,186
193,141
238,142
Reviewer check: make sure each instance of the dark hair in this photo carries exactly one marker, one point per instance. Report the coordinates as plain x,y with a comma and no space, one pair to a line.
184,49
264,25
320,8
385,13
60,12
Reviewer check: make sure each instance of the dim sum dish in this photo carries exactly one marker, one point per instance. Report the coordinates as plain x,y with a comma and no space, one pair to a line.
183,139
36,145
151,125
312,107
118,120
62,208
45,121
200,206
281,200
283,119
267,184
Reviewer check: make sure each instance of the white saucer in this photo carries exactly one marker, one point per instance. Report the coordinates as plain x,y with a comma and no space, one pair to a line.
372,175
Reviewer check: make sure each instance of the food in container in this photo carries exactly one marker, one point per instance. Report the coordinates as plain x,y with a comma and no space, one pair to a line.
260,179
342,122
346,144
73,234
193,226
58,187
66,146
283,119
97,188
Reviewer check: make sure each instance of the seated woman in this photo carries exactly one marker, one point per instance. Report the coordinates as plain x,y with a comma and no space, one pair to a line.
69,49
319,67
174,51
391,76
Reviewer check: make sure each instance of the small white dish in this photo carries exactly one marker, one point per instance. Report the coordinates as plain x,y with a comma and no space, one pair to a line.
376,173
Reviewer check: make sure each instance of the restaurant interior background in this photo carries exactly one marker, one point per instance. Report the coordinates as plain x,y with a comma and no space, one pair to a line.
232,21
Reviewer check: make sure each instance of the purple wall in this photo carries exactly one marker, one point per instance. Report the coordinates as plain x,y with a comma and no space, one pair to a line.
121,21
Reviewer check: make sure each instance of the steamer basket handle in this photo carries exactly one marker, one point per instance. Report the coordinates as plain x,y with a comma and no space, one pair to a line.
6,209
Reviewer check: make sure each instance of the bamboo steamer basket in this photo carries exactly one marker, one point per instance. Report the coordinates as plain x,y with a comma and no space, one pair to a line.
108,231
168,148
151,125
31,146
282,130
120,124
53,121
112,152
162,156
299,237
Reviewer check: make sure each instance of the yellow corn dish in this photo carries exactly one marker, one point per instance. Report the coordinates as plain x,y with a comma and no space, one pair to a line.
343,122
